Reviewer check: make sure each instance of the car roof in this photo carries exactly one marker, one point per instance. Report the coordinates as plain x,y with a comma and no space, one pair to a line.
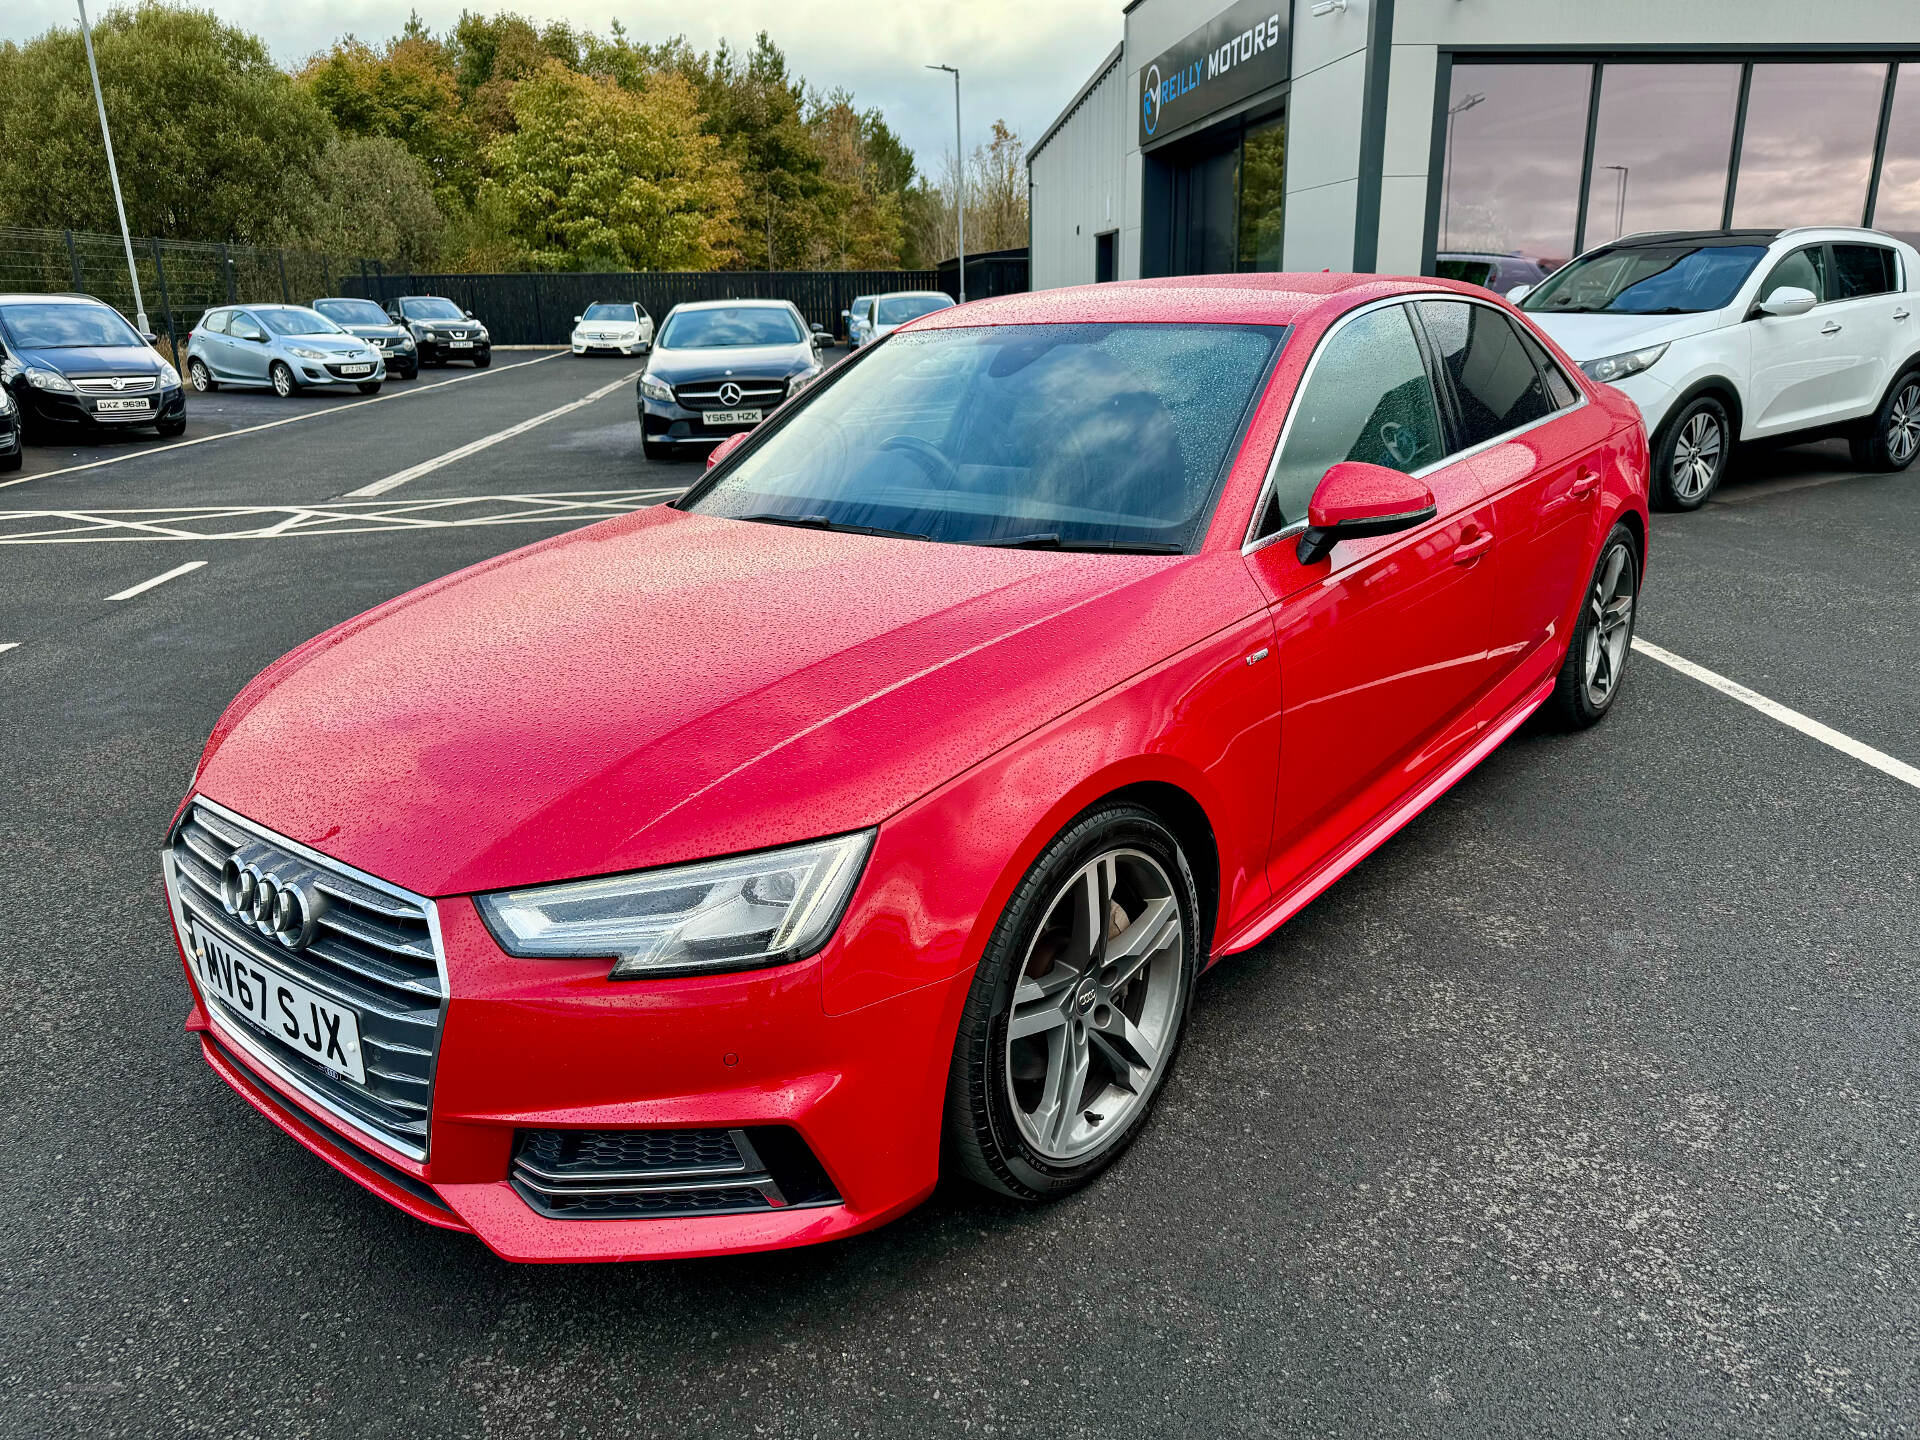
1693,237
736,305
54,299
915,294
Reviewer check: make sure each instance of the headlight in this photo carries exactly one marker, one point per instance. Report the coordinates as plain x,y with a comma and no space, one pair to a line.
168,375
48,380
305,354
739,914
405,342
655,388
1619,367
797,383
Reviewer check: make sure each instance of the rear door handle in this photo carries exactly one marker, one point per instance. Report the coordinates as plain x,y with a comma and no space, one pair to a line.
1900,314
1470,550
1584,483
1832,327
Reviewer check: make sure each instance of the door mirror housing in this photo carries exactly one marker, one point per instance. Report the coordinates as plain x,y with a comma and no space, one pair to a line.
1788,300
725,448
576,319
1519,293
1355,500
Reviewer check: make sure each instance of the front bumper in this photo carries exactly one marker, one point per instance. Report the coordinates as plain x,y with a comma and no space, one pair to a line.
318,374
554,1045
1652,394
664,423
58,408
583,346
432,350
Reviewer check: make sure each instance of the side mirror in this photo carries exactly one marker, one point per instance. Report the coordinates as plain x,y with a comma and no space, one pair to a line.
725,448
467,313
576,319
1788,300
1355,500
1519,293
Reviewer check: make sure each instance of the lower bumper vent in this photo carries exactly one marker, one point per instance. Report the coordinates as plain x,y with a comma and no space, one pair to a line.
626,1174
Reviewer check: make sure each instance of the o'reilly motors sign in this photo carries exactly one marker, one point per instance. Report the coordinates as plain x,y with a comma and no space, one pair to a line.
1240,53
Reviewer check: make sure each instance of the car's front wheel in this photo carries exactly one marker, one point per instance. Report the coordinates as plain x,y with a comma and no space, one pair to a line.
200,377
368,387
170,428
1690,458
283,382
483,359
1891,439
1077,1007
1596,661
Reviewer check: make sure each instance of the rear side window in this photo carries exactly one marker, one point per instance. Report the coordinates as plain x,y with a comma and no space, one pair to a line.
1862,270
1367,398
1804,269
1493,377
1560,388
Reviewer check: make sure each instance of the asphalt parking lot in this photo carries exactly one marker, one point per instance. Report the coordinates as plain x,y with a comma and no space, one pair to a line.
1586,1106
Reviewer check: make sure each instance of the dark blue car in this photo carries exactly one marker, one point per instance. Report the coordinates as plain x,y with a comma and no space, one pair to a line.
70,362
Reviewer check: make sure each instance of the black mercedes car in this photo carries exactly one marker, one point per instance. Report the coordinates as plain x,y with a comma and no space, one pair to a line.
70,361
441,330
10,438
367,321
719,367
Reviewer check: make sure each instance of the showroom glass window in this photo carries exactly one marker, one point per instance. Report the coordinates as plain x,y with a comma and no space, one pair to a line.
1896,208
1660,148
1511,170
1807,150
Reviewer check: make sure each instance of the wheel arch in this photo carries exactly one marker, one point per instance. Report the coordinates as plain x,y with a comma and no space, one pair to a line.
1187,818
1720,388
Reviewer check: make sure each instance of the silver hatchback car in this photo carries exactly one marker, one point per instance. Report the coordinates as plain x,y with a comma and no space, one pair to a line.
287,348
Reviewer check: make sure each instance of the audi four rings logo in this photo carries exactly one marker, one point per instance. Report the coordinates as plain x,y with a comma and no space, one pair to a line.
279,907
730,394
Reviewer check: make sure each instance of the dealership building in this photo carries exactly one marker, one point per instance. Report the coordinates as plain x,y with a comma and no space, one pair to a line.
1409,136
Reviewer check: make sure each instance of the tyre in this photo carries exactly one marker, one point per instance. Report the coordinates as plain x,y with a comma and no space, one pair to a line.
1596,660
170,428
1691,456
657,452
1077,1008
283,382
1891,439
368,387
200,377
483,359
15,460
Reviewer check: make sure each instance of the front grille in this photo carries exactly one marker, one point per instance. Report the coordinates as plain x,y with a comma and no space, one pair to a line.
374,950
135,385
754,394
613,1174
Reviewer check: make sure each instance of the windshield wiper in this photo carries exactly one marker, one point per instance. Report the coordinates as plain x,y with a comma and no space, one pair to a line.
1050,540
821,522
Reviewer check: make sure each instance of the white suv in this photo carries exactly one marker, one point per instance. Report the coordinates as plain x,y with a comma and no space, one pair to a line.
1728,335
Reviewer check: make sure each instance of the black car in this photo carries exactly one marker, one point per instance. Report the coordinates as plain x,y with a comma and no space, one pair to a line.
71,362
442,331
10,437
719,367
367,321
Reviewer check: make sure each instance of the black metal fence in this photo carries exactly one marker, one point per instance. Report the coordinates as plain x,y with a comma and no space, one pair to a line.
539,308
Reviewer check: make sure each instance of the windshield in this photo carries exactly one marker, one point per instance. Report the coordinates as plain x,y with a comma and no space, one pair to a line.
353,312
1647,280
1105,436
68,327
432,308
723,329
295,320
898,309
606,310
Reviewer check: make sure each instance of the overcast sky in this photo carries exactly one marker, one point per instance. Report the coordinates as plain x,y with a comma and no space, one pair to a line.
1020,61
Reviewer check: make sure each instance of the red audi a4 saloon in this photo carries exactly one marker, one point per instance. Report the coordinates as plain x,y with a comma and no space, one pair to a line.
706,879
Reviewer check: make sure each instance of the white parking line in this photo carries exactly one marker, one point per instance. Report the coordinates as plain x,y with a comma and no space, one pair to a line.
1792,719
276,424
146,585
9,644
474,447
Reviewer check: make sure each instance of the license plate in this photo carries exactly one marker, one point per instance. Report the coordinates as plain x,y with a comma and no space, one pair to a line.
326,1033
113,405
732,417
460,344
355,369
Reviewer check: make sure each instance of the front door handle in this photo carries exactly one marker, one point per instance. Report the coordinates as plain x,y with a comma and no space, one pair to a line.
1472,548
1832,327
1584,483
1900,314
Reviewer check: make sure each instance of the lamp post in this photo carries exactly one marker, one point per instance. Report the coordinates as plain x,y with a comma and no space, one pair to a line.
1619,201
1459,107
113,172
960,178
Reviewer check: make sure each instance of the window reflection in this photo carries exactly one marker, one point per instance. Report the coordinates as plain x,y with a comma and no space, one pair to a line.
1511,181
1262,194
1660,149
1897,207
1808,145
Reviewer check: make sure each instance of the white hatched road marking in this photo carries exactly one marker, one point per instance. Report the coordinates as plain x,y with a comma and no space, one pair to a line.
1792,719
276,424
146,585
474,447
279,522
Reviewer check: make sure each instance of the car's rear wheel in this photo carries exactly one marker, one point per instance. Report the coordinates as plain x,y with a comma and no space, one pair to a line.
283,382
1596,661
1891,439
200,377
1691,456
1077,1007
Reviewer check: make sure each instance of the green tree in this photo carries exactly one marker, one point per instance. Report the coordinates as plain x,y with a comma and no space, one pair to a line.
204,127
406,91
596,176
368,195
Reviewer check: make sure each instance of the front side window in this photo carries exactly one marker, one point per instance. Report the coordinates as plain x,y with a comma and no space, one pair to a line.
67,327
296,320
726,329
1099,436
1367,398
245,327
1804,269
1677,279
899,309
606,310
432,308
1493,377
1863,270
352,312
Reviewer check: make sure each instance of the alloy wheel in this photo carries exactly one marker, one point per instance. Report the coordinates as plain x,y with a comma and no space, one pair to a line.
282,380
1696,456
1096,1005
197,373
1903,424
1610,627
